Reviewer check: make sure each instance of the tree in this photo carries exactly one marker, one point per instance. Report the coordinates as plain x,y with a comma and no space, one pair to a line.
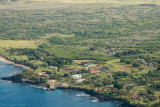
91,49
150,92
122,60
44,65
128,62
66,75
118,85
135,65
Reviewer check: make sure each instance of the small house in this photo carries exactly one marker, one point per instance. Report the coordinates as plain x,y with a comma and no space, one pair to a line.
77,76
65,85
110,86
52,81
76,70
90,65
43,74
80,80
93,70
53,67
86,68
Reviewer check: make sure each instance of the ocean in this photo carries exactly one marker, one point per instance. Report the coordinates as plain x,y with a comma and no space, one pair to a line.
25,95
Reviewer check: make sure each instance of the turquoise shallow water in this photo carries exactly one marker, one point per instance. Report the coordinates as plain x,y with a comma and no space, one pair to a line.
23,95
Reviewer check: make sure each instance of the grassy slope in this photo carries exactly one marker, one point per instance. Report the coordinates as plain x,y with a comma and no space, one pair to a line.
79,51
140,23
96,20
19,44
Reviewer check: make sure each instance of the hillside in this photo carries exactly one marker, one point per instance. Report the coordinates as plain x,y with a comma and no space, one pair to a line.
83,1
82,20
79,27
114,44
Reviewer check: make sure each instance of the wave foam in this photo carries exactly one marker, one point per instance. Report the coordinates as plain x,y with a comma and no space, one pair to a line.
83,95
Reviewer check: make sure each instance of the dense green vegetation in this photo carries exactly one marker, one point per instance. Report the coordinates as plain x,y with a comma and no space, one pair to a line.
121,39
98,21
29,76
93,25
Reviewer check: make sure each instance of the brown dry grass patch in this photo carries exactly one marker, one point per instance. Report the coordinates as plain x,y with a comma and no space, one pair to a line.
125,67
80,61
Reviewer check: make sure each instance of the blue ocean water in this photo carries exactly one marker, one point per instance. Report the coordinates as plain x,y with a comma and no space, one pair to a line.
23,95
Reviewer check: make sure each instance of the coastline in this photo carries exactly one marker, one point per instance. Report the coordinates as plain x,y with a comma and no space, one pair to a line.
12,63
121,102
101,98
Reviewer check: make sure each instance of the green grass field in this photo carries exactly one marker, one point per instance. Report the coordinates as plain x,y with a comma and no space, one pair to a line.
19,44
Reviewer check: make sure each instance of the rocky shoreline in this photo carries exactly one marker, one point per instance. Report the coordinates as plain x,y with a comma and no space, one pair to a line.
101,98
121,102
12,79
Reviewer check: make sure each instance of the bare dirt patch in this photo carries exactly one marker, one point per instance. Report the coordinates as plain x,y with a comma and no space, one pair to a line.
80,61
127,67
49,35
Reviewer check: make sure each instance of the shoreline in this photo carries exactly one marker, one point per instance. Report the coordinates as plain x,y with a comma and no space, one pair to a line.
12,63
121,102
86,91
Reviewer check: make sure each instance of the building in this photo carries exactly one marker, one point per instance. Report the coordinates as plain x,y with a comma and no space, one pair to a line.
93,70
43,74
90,65
80,80
53,67
52,81
86,68
110,86
65,85
77,76
76,70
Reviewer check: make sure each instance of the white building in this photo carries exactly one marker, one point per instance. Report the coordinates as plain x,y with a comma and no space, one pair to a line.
80,80
77,76
90,65
110,86
65,85
53,67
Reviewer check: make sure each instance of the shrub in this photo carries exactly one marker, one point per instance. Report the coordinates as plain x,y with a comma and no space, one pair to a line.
135,65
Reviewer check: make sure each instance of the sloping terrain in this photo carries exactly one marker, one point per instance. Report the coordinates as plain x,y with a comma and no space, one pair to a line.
81,1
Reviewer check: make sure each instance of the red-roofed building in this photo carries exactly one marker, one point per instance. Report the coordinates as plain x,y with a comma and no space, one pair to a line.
93,70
